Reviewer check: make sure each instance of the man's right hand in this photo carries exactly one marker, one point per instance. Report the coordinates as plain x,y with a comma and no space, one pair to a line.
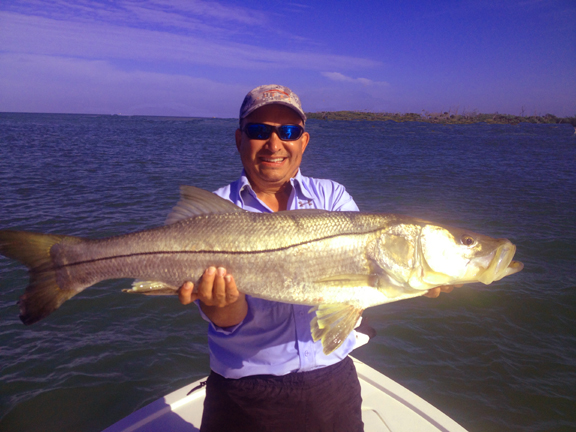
219,297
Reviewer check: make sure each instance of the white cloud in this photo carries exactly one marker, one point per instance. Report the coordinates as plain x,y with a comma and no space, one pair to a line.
92,40
168,19
94,86
119,11
337,76
210,9
176,57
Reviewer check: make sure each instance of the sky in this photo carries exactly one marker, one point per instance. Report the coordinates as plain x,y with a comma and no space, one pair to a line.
199,58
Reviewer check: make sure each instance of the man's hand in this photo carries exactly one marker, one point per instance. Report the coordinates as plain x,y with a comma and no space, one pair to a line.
216,288
435,292
219,297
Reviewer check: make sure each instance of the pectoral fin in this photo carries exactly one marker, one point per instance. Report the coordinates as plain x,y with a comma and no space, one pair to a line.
151,288
332,324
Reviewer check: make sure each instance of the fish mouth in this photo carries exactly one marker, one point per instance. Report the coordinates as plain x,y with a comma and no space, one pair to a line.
501,264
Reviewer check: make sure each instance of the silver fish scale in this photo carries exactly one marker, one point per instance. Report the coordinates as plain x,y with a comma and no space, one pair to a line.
290,251
258,231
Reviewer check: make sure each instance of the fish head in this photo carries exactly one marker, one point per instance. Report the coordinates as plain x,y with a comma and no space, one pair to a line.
456,256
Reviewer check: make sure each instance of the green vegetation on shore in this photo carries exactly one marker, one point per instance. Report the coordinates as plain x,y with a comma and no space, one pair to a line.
442,118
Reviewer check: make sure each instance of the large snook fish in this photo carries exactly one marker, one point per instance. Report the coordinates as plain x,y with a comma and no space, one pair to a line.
339,262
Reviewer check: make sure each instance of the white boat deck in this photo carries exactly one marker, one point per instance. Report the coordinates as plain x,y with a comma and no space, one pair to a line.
386,407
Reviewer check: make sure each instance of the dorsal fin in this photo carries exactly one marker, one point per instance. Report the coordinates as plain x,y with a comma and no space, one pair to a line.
195,202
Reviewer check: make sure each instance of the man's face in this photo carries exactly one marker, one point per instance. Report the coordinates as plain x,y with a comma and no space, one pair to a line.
272,162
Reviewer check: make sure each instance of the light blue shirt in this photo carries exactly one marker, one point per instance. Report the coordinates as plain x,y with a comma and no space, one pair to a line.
274,338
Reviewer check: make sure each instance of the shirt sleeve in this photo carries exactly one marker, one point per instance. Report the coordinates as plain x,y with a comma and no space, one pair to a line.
214,327
340,199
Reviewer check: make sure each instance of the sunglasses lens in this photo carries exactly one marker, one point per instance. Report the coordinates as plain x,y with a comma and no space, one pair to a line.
289,132
257,131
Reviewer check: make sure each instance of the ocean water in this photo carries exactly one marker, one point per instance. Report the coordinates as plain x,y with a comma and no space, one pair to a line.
500,357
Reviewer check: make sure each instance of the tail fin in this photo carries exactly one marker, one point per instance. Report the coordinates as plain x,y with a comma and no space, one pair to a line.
43,295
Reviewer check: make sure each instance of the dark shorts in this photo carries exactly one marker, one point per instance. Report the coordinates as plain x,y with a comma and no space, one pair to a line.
322,400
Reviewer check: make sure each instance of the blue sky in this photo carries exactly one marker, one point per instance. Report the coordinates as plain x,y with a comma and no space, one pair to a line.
199,58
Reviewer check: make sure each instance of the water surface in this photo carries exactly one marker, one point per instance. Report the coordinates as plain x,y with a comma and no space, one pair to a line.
495,358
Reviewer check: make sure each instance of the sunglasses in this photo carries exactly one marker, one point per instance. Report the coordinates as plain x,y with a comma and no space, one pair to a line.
259,131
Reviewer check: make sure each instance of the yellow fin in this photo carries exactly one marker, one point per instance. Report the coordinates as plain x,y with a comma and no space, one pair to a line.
194,202
43,295
151,288
332,324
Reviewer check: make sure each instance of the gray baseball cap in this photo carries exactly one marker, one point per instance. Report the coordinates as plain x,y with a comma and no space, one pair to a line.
271,94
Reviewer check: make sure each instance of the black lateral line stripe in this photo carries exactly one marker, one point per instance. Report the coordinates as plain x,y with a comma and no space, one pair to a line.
214,251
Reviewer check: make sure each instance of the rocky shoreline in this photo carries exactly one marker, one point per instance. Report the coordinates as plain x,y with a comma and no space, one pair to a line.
441,118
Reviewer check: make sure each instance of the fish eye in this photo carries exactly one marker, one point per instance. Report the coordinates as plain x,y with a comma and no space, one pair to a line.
467,240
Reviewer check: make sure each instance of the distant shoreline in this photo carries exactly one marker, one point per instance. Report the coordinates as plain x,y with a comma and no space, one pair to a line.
441,118
425,117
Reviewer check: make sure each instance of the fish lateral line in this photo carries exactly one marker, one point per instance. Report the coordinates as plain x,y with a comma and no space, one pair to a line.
215,252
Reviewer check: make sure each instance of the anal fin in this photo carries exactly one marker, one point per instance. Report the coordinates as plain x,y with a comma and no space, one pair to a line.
151,288
332,324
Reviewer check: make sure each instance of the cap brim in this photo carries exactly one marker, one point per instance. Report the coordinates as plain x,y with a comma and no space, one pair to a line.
292,107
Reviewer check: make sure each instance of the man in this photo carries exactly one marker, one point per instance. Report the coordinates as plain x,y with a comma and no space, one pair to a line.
267,372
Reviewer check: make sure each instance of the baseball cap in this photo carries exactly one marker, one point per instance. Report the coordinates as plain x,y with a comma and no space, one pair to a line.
271,94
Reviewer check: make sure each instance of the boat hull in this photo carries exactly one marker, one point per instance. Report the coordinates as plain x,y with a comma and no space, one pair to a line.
386,407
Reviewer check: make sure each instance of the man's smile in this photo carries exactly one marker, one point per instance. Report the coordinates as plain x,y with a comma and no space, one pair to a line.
269,159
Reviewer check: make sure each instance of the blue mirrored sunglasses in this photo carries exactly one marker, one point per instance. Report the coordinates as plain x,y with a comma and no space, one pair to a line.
258,131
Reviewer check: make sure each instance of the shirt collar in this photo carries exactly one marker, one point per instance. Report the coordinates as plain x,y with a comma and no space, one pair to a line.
243,182
298,182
